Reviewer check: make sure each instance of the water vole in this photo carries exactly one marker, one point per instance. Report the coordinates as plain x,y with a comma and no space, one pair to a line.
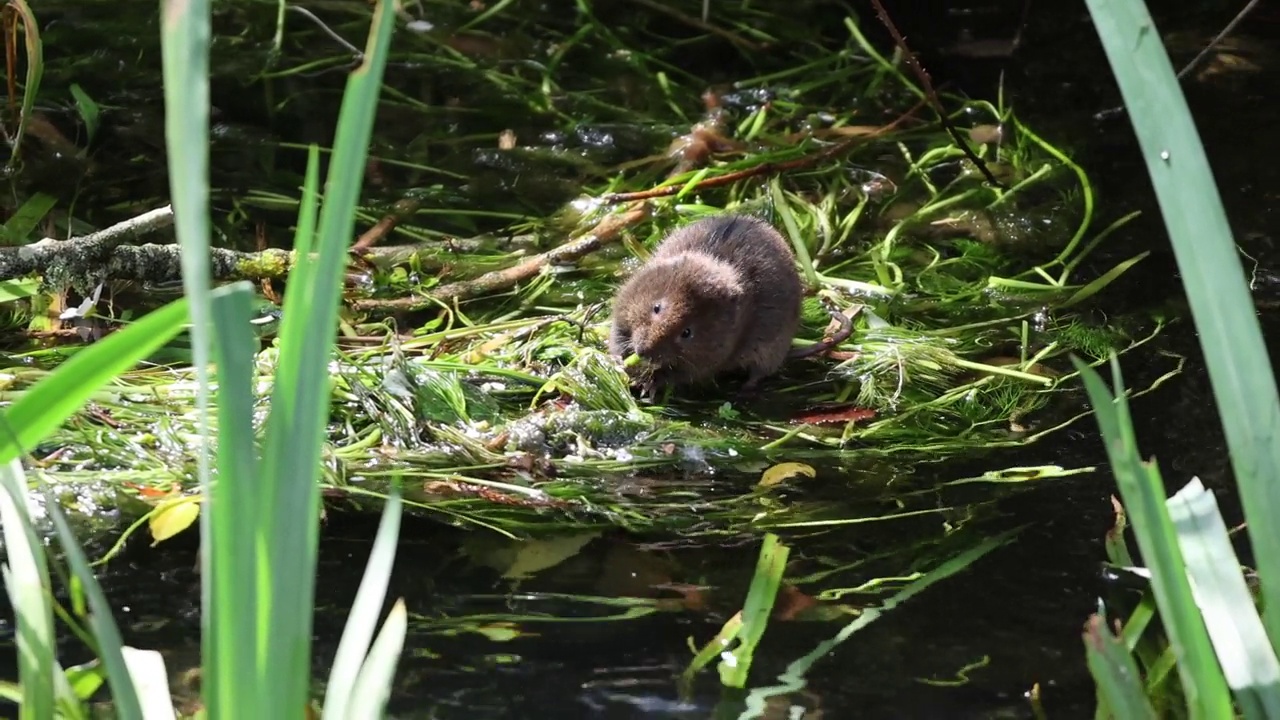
718,294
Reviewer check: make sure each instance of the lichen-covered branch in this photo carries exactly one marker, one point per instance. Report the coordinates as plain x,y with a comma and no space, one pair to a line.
82,256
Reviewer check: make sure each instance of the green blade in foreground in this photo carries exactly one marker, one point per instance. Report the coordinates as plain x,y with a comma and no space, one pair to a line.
373,684
1144,499
290,467
26,577
1219,588
1115,672
124,696
233,683
185,30
40,411
1239,367
354,645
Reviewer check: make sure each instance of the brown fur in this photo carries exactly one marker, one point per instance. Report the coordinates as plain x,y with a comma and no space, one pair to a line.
719,294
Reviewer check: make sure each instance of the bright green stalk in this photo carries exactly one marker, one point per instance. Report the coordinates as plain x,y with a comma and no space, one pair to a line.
290,467
184,43
1239,367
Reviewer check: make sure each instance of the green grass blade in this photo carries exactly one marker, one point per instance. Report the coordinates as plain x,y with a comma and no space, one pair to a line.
770,566
184,43
1226,322
1144,499
1115,672
43,409
233,682
300,401
123,695
1237,633
365,610
26,580
373,686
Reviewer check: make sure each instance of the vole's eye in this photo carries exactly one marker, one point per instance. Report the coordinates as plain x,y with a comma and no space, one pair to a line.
687,333
657,308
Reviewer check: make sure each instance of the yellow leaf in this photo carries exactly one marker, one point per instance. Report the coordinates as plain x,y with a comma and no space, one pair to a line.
783,471
172,518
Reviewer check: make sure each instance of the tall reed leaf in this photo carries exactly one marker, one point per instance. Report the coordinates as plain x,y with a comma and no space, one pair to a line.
26,579
41,410
1144,500
300,400
234,684
184,44
1243,381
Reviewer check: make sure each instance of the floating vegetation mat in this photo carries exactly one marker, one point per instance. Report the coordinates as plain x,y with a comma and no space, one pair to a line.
522,162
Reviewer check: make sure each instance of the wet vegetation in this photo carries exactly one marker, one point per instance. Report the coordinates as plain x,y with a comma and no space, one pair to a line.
521,159
472,357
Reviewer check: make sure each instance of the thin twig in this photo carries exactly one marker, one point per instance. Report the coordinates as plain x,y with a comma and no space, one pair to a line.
1231,26
1199,58
927,84
607,231
768,168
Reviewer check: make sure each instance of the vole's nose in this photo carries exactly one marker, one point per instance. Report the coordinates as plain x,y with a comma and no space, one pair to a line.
643,349
642,346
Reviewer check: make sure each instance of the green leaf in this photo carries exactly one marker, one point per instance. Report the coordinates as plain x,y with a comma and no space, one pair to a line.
238,626
88,109
342,696
1226,321
11,290
770,566
1122,694
1144,499
300,399
105,632
35,71
1218,585
185,29
39,412
26,580
20,228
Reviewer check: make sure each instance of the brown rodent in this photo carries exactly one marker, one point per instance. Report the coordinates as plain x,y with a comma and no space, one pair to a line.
718,294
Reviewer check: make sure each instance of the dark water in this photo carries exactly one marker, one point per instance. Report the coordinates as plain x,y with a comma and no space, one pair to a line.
1019,611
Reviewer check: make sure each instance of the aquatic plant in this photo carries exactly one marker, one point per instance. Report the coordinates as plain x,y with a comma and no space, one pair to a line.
258,560
470,369
1224,652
